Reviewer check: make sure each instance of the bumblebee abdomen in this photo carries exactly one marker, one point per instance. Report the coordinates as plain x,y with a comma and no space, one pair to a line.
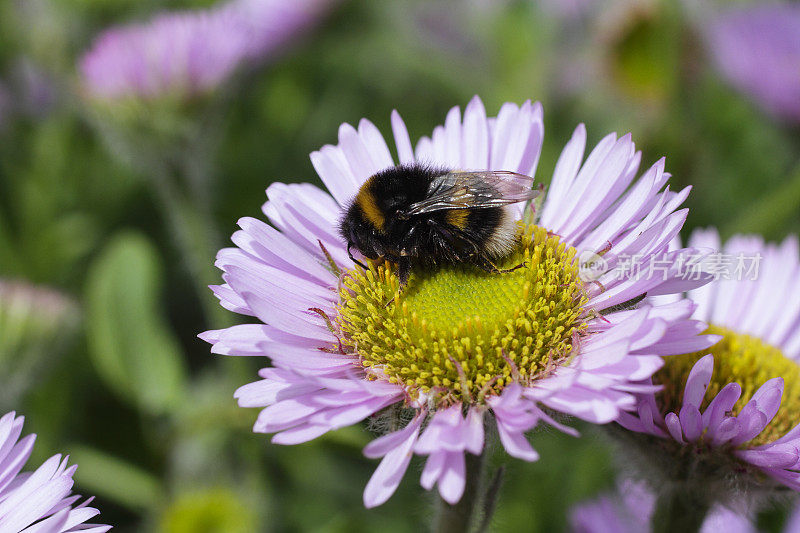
492,228
458,218
490,231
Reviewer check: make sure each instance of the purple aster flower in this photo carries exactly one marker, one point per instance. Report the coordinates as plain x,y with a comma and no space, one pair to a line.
731,411
175,53
757,48
271,24
39,501
630,511
190,52
459,349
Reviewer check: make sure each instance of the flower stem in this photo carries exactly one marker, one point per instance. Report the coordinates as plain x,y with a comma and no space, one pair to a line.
490,500
191,226
679,510
459,518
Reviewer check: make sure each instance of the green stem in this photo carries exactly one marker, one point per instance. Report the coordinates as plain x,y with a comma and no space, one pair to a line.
490,500
458,518
192,227
679,510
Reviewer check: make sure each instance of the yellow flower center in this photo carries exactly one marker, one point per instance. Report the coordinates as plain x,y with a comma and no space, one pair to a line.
459,333
743,359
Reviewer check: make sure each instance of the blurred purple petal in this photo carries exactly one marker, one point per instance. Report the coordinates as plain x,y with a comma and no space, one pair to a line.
185,53
758,50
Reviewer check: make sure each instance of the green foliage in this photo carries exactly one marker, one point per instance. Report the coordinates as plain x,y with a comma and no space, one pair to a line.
538,496
133,350
111,477
38,325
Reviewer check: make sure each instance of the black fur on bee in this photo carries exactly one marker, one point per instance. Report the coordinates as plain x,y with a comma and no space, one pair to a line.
424,215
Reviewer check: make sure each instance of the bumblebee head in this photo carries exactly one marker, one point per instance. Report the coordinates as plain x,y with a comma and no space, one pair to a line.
360,233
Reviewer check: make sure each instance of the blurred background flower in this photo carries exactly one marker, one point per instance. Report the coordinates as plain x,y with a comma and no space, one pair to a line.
81,215
181,54
38,325
630,509
151,88
757,48
175,54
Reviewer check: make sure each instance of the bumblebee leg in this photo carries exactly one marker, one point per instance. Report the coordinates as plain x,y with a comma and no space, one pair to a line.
512,269
403,272
486,264
356,261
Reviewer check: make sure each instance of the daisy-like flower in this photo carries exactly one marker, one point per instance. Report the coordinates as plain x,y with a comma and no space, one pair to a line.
174,54
631,509
39,501
757,48
459,349
725,424
271,24
185,53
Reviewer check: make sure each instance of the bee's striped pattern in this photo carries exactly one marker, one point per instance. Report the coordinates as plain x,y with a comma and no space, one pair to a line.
430,216
458,218
368,206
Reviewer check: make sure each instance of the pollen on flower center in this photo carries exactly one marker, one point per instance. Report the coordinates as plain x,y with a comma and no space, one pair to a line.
458,332
743,359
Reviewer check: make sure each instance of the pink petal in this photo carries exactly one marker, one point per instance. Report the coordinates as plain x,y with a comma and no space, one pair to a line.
453,478
386,443
405,153
698,380
390,471
673,424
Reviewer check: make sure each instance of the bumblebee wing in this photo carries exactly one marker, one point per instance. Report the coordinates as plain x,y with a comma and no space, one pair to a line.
475,190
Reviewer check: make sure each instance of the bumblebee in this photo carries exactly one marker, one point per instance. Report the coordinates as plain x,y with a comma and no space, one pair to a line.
423,215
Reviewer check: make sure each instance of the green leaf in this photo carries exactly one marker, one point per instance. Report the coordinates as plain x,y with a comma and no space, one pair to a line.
130,343
110,477
771,213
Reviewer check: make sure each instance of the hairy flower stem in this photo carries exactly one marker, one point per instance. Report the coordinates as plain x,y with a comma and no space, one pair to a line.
679,510
191,225
459,518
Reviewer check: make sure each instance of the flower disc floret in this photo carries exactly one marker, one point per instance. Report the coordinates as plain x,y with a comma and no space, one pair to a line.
742,359
461,332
